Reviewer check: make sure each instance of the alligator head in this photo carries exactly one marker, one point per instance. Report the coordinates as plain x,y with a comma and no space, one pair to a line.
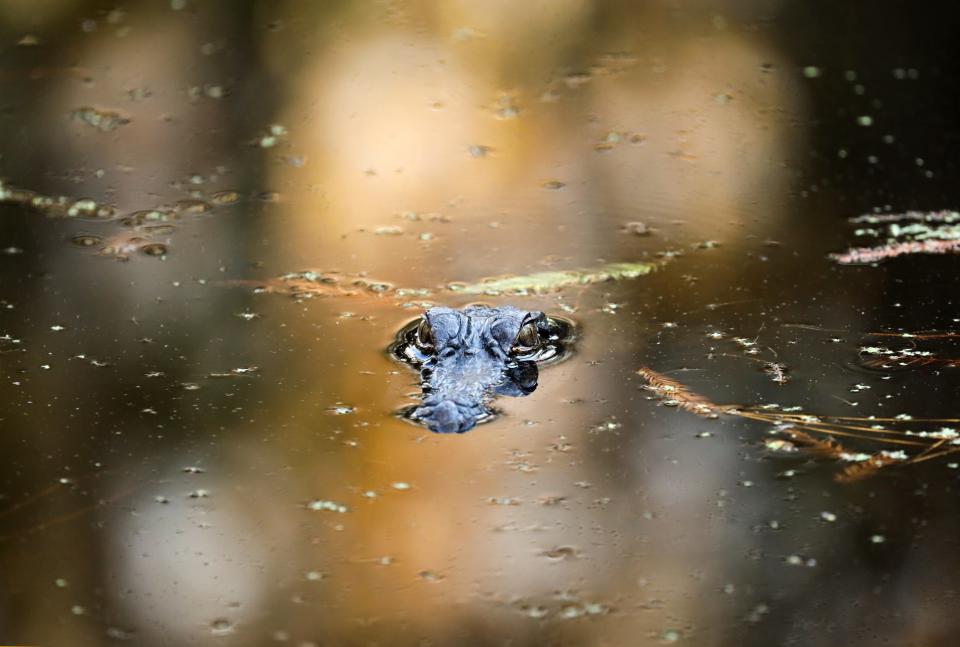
467,357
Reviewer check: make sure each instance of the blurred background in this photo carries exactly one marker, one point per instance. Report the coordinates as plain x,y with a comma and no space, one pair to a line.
190,462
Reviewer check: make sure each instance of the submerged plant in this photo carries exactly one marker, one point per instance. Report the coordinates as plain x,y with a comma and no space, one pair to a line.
817,435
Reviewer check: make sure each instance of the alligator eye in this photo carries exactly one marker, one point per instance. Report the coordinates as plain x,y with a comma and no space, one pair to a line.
424,339
527,338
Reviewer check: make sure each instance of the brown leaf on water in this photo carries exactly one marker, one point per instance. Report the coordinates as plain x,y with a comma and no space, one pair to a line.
315,283
869,467
824,447
816,434
672,393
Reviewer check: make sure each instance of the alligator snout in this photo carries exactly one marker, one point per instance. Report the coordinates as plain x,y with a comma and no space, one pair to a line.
446,416
467,357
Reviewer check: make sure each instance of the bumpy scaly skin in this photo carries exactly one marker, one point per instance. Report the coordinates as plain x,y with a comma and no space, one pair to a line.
470,362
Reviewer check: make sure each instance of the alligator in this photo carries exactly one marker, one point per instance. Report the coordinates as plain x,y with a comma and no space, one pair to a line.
467,357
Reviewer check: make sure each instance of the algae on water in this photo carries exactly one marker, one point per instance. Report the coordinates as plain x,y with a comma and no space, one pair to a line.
552,281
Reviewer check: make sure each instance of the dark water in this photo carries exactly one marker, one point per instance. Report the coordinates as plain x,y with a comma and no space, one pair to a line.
190,461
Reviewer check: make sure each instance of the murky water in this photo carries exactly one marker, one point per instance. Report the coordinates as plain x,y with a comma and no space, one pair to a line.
219,215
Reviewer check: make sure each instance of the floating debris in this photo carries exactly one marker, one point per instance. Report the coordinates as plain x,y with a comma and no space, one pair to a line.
503,500
146,226
102,120
777,372
867,255
912,232
479,150
245,371
317,283
816,434
123,246
919,353
430,576
340,410
635,228
672,393
506,108
275,133
553,281
561,553
221,626
606,65
321,505
55,206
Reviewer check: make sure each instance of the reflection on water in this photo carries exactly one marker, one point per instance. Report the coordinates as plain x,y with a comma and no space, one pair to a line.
200,441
